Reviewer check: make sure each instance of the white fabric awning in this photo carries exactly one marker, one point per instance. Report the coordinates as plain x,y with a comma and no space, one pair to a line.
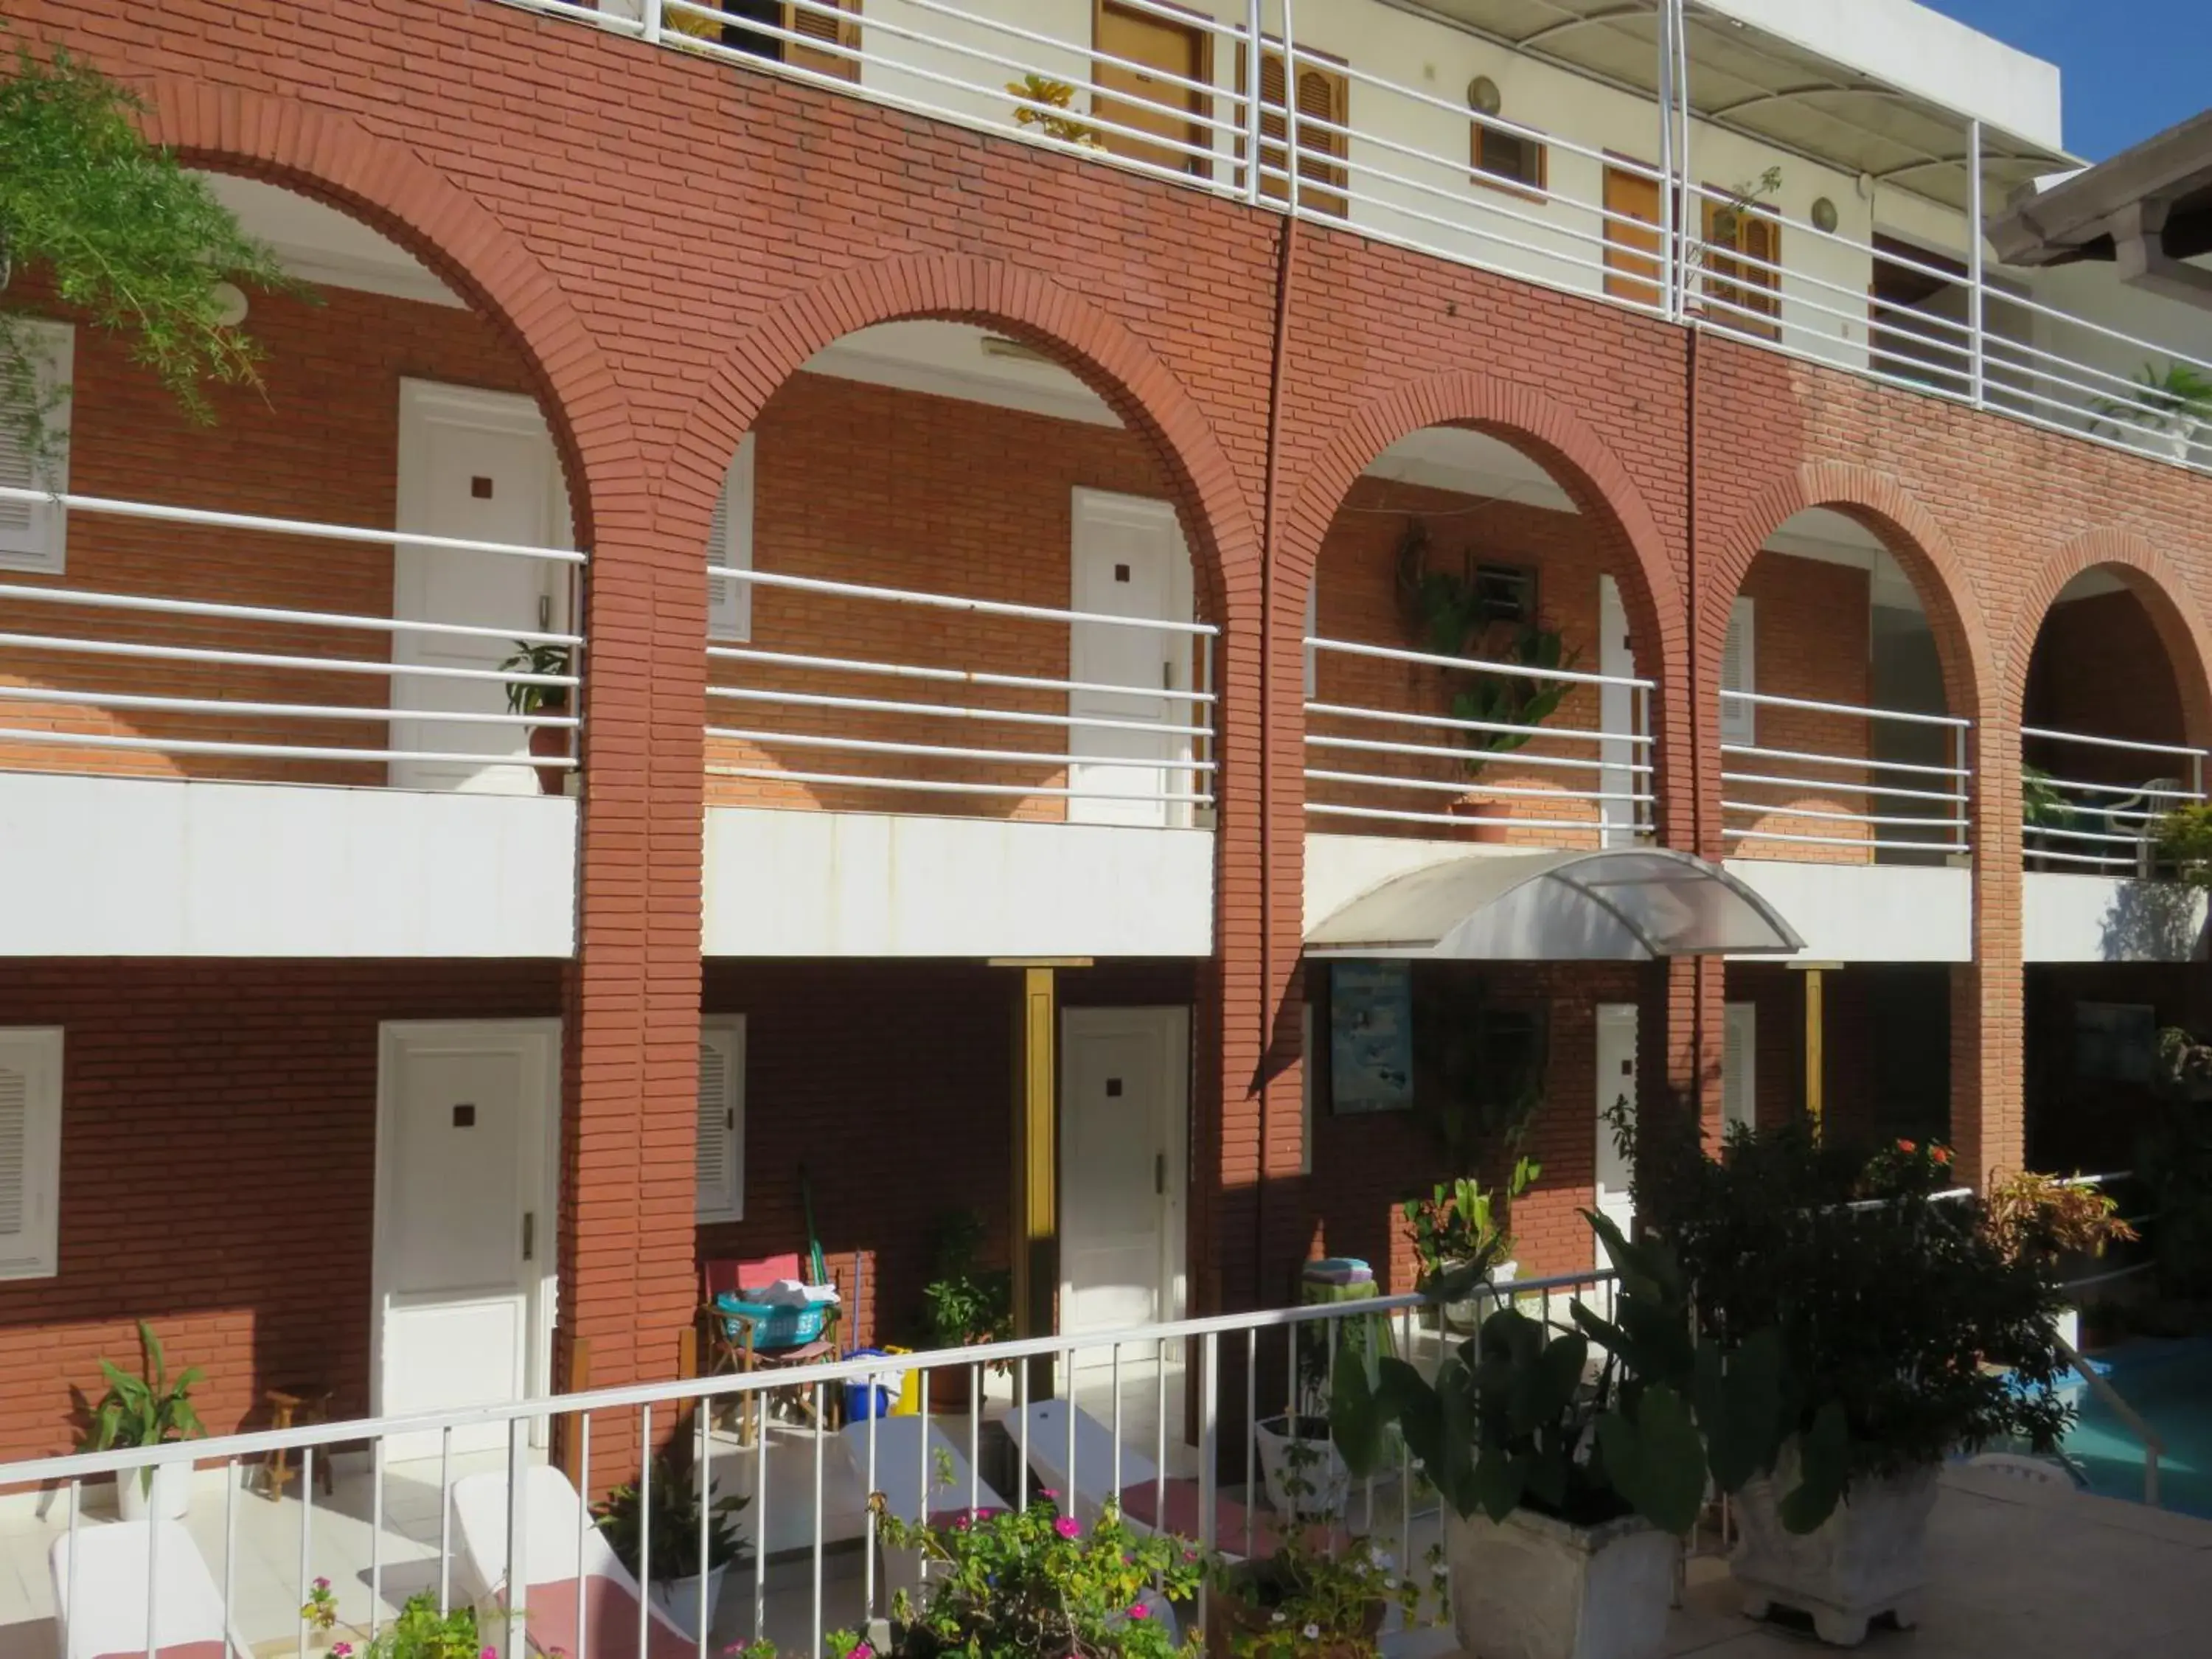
1630,905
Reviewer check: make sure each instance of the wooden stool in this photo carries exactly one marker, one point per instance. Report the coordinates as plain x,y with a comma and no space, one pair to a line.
296,1404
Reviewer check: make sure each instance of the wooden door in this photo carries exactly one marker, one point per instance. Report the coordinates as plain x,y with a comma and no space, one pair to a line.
1324,96
1741,294
1633,254
1151,101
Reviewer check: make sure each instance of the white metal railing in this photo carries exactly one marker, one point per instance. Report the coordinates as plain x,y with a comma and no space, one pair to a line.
260,682
2153,1447
1127,750
1769,788
1371,757
1397,166
1125,1399
2099,828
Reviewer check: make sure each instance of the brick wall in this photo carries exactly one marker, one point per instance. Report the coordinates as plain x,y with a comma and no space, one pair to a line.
321,445
863,483
2101,669
218,1159
891,1082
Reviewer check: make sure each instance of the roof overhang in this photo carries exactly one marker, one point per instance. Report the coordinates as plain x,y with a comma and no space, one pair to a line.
2147,210
1634,904
1881,88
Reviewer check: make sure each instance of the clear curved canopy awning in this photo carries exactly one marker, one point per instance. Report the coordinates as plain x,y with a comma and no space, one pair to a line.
1630,905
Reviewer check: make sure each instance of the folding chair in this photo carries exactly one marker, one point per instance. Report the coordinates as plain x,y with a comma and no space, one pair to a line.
746,1339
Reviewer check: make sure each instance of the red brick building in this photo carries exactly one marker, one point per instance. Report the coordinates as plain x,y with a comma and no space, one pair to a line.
1058,664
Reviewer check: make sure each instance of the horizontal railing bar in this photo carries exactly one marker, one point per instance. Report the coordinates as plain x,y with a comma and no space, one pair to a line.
1379,746
208,516
2041,832
1476,664
2084,787
1779,811
1495,239
2102,860
949,676
279,710
270,659
1874,844
999,756
279,751
950,711
2179,750
2006,296
1406,815
923,786
1921,768
1408,717
169,607
1384,781
1382,233
1909,717
980,607
1771,780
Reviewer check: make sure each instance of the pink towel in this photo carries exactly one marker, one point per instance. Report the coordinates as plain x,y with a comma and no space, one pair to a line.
610,1610
177,1650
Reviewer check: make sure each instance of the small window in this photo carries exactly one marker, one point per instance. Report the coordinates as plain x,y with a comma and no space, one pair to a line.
1512,159
1505,592
35,535
730,547
720,1155
1739,715
30,1152
840,30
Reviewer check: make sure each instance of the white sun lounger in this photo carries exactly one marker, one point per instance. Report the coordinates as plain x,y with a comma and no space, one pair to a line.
563,1553
922,1476
108,1615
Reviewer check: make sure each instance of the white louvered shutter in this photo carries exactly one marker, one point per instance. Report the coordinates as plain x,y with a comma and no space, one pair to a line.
722,1132
1739,721
33,535
30,1152
1740,1065
730,547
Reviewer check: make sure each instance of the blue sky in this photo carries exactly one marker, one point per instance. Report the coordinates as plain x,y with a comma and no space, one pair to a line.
2130,67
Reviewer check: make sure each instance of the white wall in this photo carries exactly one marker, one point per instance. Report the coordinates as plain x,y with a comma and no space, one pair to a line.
155,867
797,883
1868,912
2080,918
1340,868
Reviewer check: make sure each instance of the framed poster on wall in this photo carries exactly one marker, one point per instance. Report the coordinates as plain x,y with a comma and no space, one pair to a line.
1370,1037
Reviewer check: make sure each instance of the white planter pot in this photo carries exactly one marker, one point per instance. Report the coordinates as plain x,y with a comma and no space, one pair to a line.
1868,1558
172,1492
1311,1460
1530,1587
679,1599
2179,436
1466,1316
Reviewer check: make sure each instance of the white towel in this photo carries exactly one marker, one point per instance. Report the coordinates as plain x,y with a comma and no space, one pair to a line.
790,1293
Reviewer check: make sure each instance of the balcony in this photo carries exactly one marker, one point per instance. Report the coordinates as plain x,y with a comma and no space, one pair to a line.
1765,204
1006,747
258,693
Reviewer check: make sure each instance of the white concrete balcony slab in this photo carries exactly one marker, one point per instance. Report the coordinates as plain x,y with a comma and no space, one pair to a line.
122,866
1869,911
2091,918
818,883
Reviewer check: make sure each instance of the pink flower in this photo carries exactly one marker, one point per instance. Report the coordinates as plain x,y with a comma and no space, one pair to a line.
1139,1610
1065,1527
1048,1492
341,1650
861,1650
322,1583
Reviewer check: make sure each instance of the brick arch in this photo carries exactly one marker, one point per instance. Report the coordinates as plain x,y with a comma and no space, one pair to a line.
2158,587
1914,538
327,155
1094,346
1578,460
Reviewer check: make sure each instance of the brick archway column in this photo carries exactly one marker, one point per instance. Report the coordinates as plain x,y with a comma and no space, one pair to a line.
1987,1056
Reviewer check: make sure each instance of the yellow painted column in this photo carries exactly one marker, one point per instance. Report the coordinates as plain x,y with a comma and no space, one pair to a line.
1035,1148
1814,1064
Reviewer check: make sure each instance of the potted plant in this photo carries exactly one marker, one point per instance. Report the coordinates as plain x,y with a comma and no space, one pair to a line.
1567,1490
1907,1333
1458,1223
1303,1472
962,1303
1042,103
150,1409
1034,1582
528,697
420,1632
1316,1597
2042,808
671,1526
1454,617
2172,405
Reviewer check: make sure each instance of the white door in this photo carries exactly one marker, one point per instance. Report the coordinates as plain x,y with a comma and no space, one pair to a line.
466,1172
479,465
1124,1094
1616,1081
1128,560
1617,719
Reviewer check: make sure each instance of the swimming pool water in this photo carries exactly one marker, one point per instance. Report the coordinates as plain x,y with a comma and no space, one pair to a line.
2169,1384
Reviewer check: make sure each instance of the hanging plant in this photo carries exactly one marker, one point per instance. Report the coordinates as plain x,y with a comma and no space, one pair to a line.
127,236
